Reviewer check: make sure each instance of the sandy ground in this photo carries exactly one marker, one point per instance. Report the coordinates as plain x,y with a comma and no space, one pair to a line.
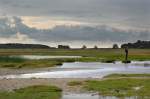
6,71
11,84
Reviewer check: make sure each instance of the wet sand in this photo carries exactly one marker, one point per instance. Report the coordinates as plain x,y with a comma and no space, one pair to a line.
7,71
11,84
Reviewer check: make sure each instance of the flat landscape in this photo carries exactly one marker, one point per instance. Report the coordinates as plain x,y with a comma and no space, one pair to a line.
106,53
74,49
14,63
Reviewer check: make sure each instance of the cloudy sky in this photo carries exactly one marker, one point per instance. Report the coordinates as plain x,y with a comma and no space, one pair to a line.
74,22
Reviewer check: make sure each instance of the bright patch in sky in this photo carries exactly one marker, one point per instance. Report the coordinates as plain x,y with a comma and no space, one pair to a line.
48,23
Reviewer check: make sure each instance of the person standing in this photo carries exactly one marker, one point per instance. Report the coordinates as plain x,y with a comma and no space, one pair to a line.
126,52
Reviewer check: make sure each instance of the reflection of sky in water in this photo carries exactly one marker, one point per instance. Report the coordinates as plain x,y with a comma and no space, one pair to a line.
43,57
87,70
90,96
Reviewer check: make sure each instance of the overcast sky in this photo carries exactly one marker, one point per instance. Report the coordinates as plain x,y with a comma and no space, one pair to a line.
74,22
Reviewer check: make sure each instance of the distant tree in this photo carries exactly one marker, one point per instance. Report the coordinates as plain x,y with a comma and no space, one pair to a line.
115,46
84,47
95,47
63,46
138,44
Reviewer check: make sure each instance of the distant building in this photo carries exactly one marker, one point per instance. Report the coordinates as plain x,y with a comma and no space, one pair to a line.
63,47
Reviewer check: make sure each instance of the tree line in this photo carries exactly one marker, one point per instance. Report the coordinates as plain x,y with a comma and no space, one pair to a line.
138,44
23,46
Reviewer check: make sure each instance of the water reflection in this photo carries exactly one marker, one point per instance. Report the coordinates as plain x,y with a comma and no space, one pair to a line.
90,96
43,57
87,70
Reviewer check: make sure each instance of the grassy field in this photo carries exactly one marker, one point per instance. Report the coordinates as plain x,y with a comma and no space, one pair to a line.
123,87
117,85
106,54
33,92
89,55
18,63
120,87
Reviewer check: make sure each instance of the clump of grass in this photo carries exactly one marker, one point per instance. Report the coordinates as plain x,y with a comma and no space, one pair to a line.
120,88
30,64
108,61
88,59
75,83
33,92
11,59
126,61
127,75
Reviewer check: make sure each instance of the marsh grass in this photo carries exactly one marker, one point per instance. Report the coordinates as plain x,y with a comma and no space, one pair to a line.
106,53
11,59
33,92
120,87
89,55
127,75
18,62
75,83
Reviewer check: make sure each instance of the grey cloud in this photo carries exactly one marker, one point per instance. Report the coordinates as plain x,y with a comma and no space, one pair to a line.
133,13
71,33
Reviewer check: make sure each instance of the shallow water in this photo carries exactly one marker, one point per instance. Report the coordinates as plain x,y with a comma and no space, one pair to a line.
91,96
43,57
88,70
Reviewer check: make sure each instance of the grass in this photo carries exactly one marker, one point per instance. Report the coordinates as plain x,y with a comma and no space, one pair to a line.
120,87
30,64
106,54
18,62
33,92
127,75
89,55
11,59
75,83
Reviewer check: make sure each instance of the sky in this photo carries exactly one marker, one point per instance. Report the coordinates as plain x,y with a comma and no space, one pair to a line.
74,22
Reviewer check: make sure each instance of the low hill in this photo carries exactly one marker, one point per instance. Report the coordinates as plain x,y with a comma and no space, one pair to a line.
23,46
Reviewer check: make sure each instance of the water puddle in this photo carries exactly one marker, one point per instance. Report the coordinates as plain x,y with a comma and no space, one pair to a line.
87,70
92,96
43,57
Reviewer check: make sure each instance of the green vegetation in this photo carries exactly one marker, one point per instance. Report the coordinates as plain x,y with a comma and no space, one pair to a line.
120,87
75,83
127,75
11,59
33,92
89,55
18,62
105,54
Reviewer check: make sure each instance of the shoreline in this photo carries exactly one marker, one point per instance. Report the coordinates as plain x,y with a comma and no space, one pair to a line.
12,84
